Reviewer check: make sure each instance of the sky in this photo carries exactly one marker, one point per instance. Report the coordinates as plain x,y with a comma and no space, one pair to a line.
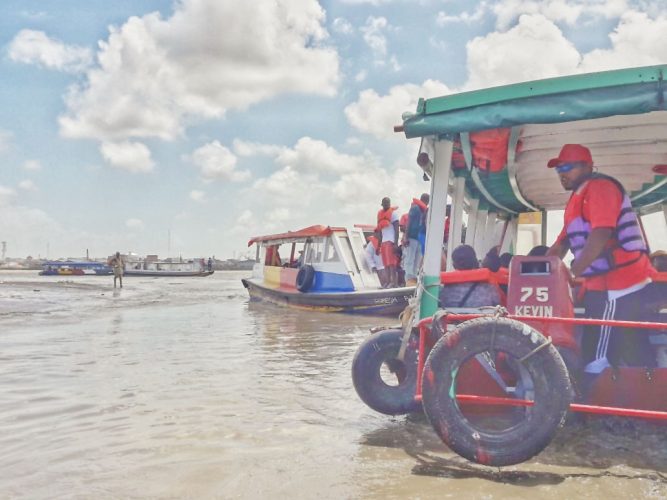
186,127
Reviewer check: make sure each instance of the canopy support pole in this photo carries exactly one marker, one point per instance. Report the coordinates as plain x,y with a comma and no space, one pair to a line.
480,231
543,228
472,221
435,227
489,234
456,220
509,243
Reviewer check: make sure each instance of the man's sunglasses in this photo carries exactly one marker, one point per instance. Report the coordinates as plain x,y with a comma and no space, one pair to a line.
566,167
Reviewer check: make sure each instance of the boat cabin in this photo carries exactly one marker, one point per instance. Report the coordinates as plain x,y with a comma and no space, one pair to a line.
327,259
74,268
488,150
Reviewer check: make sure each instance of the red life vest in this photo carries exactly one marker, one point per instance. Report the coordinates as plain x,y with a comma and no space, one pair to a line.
420,204
384,217
627,245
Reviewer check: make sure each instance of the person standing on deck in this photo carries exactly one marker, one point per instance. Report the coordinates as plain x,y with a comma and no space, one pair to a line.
387,224
602,231
374,260
412,251
116,263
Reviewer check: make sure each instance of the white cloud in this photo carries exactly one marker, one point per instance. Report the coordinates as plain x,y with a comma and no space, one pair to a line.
437,43
35,47
348,195
443,18
279,215
638,40
308,156
33,15
245,217
395,65
28,185
198,196
215,161
134,223
565,11
6,138
245,225
6,195
246,148
32,165
361,76
134,157
376,115
25,229
279,184
311,155
535,48
156,75
342,26
369,2
374,36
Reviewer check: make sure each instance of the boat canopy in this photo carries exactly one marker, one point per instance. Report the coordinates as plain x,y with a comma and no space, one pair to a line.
301,234
504,136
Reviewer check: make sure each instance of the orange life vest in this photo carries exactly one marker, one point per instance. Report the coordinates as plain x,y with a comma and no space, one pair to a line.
420,204
384,217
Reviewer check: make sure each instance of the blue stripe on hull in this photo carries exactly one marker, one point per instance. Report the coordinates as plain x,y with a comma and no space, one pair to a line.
331,282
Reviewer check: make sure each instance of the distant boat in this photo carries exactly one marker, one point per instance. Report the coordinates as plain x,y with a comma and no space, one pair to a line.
74,268
331,275
151,267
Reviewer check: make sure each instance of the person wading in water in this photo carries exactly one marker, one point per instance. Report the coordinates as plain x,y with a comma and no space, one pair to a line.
116,262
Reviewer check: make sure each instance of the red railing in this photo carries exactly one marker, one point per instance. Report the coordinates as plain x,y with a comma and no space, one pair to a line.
425,323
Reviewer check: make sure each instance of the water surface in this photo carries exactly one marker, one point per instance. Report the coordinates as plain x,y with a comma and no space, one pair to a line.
179,387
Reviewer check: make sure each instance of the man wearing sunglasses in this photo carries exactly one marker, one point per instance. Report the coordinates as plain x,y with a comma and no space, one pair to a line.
603,233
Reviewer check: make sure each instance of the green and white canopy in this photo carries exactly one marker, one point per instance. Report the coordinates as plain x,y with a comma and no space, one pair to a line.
620,115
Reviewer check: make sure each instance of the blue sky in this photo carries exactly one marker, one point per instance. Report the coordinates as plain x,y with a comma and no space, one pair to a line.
211,121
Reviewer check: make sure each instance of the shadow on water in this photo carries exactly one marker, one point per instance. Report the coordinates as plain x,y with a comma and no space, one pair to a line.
601,448
430,465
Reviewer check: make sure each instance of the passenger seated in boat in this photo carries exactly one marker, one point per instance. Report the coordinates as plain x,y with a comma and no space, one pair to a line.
471,293
505,260
536,267
492,259
659,261
299,261
272,256
538,251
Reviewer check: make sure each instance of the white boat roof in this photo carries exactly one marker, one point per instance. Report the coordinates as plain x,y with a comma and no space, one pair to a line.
619,115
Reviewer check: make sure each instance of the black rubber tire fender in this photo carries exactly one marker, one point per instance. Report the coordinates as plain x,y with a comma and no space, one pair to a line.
379,349
305,278
550,381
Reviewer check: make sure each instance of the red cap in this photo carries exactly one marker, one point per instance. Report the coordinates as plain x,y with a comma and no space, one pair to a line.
571,153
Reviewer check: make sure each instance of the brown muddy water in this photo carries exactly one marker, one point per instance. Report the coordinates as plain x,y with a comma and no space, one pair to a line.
177,388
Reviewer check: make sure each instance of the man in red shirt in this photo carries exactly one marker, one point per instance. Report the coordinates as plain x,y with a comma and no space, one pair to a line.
610,254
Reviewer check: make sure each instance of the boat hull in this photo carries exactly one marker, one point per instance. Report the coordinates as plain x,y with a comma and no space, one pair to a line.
387,302
168,273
